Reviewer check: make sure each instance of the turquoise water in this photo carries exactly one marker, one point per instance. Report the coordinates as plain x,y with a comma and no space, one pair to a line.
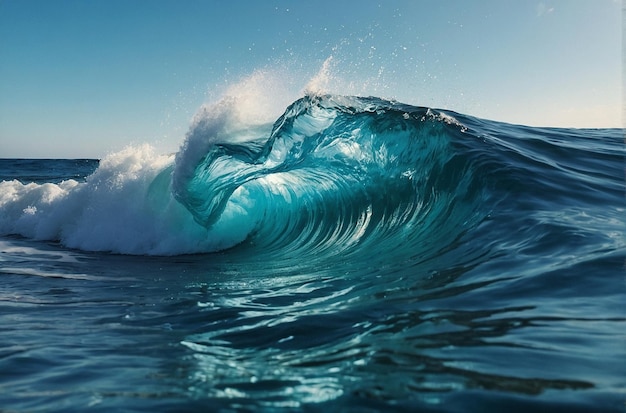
356,254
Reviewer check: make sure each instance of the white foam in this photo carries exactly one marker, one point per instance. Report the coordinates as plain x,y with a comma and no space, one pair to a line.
117,209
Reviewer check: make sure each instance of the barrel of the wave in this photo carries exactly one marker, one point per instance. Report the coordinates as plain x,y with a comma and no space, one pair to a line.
333,172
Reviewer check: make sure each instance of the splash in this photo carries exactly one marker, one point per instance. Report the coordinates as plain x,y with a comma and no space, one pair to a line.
319,84
243,113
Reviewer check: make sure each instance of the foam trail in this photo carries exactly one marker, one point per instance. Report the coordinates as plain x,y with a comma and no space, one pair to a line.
125,206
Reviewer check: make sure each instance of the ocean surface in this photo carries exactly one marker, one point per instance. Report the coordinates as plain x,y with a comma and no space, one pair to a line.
355,254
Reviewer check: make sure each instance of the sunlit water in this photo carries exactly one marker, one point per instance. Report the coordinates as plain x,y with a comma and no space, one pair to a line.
359,254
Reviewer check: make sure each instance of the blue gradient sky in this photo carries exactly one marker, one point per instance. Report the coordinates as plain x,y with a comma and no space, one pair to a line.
83,78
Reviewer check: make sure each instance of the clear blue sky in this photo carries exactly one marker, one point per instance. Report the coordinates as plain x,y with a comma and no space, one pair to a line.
84,78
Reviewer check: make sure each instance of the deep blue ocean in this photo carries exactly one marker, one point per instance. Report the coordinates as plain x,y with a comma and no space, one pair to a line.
356,254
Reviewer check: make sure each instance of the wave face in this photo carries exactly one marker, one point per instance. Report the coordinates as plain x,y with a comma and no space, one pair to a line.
338,175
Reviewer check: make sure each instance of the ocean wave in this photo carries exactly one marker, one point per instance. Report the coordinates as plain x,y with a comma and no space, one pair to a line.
335,172
334,175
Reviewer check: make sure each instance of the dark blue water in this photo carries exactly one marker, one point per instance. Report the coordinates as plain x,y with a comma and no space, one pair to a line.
356,255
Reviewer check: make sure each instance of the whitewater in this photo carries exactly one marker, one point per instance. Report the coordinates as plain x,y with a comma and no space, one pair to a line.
351,253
